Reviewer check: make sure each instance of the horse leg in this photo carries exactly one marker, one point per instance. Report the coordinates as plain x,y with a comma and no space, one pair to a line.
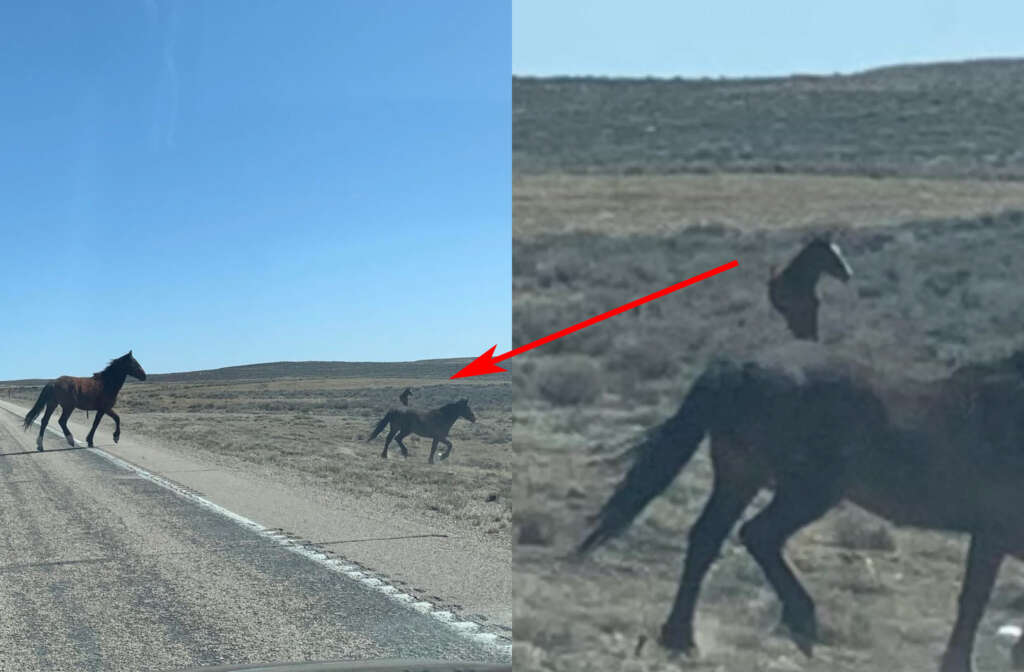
1017,654
398,440
731,494
387,442
95,424
42,424
448,449
63,422
796,504
117,422
433,449
983,561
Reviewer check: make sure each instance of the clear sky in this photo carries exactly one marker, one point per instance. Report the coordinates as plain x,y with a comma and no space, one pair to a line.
223,182
668,38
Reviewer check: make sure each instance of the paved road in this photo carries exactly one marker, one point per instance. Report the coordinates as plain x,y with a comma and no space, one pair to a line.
102,569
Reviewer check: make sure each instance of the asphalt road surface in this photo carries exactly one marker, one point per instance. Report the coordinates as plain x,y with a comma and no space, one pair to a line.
104,569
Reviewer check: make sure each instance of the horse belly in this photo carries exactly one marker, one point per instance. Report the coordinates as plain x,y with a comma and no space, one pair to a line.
916,495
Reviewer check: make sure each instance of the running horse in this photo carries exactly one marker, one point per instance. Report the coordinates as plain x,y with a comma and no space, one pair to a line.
815,428
433,424
792,291
404,396
97,393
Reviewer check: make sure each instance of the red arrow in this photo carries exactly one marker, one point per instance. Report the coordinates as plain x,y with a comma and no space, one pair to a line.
487,362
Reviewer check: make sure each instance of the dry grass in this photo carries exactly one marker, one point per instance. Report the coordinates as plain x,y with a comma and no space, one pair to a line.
663,205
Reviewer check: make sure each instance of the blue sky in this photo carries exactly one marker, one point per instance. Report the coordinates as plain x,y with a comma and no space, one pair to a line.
226,182
669,38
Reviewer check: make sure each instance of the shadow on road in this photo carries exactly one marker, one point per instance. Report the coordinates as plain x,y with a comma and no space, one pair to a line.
42,452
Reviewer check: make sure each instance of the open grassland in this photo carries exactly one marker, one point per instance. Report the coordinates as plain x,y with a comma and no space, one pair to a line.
926,296
312,420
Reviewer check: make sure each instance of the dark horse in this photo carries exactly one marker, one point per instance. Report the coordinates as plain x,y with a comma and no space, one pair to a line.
791,292
97,393
433,424
404,396
816,427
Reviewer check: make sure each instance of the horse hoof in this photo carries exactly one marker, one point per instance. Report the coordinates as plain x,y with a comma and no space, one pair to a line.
39,448
804,643
116,437
678,644
804,632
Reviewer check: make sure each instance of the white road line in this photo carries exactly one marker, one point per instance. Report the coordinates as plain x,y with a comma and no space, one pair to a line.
467,629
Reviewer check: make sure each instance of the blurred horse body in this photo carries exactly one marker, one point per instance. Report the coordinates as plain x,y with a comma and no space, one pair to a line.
816,428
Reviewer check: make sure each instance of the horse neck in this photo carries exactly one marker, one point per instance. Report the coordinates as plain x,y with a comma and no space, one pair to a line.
113,381
449,414
802,271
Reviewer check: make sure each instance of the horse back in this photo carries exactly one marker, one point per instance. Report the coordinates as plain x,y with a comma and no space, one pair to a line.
83,393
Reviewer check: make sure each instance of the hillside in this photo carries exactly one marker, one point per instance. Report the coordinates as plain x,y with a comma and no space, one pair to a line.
935,120
440,369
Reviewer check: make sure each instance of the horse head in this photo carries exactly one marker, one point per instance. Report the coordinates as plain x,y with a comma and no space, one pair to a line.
465,411
829,257
132,366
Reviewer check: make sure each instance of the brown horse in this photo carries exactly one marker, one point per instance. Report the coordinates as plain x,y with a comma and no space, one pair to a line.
433,424
815,427
791,292
97,393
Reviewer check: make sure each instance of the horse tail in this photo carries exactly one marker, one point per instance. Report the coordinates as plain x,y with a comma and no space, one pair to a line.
381,425
659,458
45,396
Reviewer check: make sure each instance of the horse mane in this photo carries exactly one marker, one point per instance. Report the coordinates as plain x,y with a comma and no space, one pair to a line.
110,369
450,405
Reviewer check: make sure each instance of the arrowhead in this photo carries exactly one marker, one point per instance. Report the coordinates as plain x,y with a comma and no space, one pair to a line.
480,366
